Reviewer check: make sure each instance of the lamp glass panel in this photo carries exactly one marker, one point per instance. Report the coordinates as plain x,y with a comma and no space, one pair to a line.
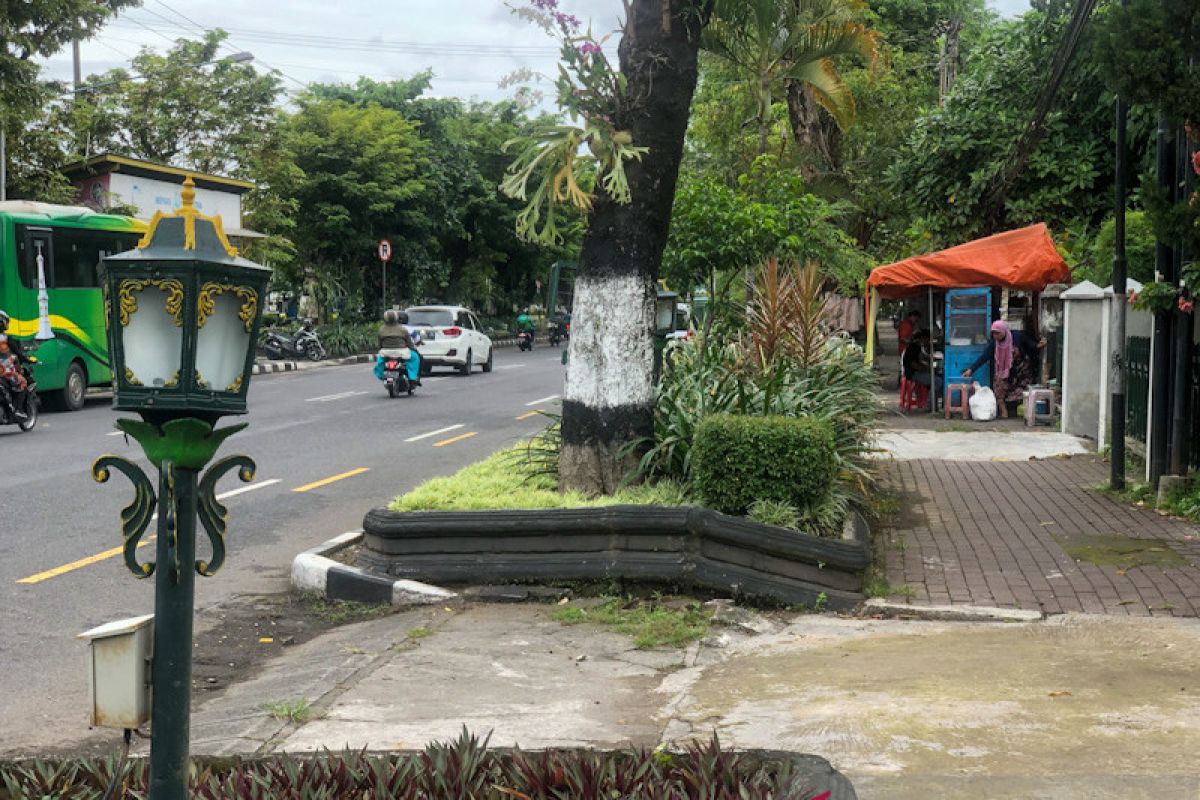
222,344
665,316
153,342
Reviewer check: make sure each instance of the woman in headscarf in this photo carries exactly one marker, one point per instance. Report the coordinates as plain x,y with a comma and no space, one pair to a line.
1014,359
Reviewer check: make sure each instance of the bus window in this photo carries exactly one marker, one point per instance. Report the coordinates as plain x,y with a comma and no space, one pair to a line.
32,242
77,255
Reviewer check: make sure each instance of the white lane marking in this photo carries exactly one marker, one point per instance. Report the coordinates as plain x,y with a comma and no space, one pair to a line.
511,366
543,400
433,433
327,398
234,492
115,433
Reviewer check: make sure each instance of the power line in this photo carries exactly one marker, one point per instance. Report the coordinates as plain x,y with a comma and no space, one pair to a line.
228,43
414,48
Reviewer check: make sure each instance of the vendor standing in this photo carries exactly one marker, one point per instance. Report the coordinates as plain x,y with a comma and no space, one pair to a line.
1014,358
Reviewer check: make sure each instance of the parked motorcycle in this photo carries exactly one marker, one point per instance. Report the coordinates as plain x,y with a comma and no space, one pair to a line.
28,402
524,341
304,343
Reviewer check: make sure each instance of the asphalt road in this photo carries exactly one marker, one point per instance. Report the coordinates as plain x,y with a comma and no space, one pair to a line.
329,444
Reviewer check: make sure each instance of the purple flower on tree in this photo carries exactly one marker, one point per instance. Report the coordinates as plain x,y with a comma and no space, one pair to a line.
590,49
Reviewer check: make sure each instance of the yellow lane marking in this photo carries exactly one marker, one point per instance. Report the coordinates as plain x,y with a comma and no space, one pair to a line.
445,442
74,565
326,481
530,414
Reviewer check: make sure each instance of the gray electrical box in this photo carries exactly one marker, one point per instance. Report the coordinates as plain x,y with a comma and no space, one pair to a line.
119,656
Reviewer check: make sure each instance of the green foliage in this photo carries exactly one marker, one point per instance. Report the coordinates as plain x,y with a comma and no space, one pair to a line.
957,150
348,339
775,512
296,712
508,480
646,622
464,769
1147,52
1156,297
187,107
1139,251
740,460
566,163
717,230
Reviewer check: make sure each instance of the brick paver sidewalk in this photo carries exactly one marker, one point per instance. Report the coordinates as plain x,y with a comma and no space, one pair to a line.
988,533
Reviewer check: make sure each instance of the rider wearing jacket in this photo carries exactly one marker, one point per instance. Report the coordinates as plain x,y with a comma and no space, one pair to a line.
394,336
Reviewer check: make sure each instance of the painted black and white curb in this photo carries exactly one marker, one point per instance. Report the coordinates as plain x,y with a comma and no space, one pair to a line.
314,571
269,367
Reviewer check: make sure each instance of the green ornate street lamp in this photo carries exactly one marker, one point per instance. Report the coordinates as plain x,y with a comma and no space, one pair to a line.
183,312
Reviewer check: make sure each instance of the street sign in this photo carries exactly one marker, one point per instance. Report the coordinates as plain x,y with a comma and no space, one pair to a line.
385,250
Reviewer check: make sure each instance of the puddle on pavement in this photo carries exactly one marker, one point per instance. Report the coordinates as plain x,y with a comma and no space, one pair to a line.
1115,550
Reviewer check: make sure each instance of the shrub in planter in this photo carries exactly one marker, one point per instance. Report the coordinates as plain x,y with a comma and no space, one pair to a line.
738,461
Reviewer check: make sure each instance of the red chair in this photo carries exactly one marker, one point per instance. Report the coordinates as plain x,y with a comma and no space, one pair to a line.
913,395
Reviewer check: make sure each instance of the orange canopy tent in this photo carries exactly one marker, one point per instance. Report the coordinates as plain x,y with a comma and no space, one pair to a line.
1025,259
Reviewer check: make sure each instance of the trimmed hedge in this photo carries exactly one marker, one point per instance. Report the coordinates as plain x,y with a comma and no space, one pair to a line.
740,460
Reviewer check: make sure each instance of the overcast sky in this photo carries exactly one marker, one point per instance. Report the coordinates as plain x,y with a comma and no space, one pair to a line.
469,44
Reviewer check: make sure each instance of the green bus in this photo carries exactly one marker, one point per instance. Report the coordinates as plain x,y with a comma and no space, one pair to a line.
49,285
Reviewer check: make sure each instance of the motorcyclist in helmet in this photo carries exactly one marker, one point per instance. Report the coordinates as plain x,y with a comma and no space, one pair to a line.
394,336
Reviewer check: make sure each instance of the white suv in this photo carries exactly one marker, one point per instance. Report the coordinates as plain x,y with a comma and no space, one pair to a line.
451,336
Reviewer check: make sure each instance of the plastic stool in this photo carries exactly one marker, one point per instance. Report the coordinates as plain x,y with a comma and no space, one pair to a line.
912,395
965,390
1032,398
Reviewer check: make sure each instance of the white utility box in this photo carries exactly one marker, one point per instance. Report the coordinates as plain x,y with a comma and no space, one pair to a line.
119,656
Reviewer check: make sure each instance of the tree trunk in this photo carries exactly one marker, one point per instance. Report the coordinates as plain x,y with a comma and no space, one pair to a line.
609,400
814,131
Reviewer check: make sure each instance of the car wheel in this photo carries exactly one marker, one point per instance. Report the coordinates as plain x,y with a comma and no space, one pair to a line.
71,396
487,365
466,368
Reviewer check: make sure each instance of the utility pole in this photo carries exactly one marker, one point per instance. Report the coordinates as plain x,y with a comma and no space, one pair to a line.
78,73
1120,271
1160,367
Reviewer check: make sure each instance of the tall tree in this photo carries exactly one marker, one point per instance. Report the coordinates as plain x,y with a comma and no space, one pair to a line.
189,107
32,29
352,175
610,393
780,43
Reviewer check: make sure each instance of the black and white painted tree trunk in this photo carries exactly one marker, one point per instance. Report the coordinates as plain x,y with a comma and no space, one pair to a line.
609,399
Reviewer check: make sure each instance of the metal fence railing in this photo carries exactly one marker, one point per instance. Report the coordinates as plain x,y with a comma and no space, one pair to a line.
1137,389
1194,439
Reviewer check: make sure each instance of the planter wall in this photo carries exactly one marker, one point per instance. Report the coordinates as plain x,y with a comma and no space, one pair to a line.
684,546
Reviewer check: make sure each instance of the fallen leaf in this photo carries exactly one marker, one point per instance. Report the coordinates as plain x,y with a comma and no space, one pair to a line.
265,640
1044,524
1120,572
1126,602
1060,694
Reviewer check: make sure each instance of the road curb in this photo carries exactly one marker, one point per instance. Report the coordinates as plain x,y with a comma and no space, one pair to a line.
314,571
270,367
887,608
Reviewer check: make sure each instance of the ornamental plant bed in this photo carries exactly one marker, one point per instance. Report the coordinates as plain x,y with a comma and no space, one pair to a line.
462,770
496,522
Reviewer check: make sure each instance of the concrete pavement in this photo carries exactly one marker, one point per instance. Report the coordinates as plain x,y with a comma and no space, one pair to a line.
1075,707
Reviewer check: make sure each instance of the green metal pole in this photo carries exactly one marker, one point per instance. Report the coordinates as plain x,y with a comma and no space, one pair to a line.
171,673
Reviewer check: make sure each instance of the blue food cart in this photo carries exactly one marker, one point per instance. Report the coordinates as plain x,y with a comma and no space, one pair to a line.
968,326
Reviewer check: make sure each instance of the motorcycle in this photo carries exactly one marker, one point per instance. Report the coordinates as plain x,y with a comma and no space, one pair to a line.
395,372
28,402
559,331
525,341
304,343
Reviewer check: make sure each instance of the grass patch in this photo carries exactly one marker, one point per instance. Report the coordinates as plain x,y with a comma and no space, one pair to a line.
505,480
420,632
878,586
294,711
344,612
648,624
